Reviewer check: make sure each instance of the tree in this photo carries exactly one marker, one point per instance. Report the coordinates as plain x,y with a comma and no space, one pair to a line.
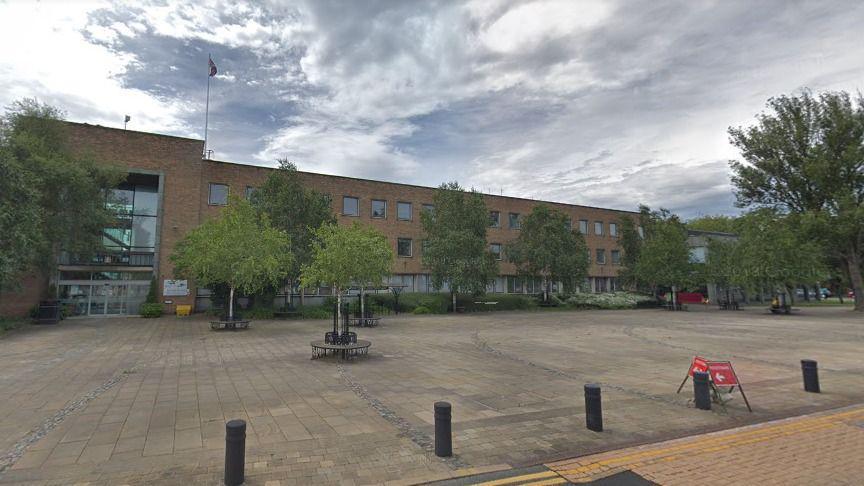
548,249
50,200
295,209
239,248
660,258
455,249
347,255
719,224
806,157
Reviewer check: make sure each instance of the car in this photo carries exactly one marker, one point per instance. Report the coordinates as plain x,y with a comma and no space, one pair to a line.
825,293
851,294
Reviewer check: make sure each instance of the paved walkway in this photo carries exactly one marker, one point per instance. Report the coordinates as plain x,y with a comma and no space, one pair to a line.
135,401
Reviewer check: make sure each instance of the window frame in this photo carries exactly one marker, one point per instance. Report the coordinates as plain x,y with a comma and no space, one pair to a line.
612,259
343,213
410,211
585,232
497,219
598,252
499,255
510,218
613,230
372,208
602,228
410,247
210,194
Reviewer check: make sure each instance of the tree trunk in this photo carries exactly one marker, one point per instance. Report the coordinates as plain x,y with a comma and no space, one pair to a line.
454,300
807,293
338,306
854,263
362,304
302,296
231,304
545,291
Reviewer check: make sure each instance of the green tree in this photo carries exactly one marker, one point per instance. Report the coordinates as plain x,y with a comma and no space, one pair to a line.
719,224
455,249
347,255
805,156
660,256
547,248
50,199
239,248
295,209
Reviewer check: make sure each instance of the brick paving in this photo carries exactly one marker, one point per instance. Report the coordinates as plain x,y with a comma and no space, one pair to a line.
134,401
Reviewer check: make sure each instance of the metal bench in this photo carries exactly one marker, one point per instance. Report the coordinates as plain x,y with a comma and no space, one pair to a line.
320,349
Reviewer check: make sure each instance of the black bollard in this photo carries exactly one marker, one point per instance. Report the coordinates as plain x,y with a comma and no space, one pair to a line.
235,452
811,375
593,408
443,433
701,391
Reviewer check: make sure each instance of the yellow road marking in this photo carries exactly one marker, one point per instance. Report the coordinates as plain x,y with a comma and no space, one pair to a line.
519,479
558,480
720,442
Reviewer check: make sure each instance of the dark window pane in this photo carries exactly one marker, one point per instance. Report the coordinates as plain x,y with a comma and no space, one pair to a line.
218,194
120,200
350,206
514,221
403,211
494,219
403,247
144,231
379,209
146,201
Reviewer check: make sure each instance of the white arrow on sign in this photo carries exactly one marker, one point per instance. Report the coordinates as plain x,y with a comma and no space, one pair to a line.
720,377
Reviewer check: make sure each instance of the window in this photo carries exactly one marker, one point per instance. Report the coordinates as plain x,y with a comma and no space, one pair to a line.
514,221
601,256
598,228
403,211
403,247
569,224
641,232
350,206
514,285
250,191
430,208
583,226
494,219
613,230
495,248
616,257
218,194
379,209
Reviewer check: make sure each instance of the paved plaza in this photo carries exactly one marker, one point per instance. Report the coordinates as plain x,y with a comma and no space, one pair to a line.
135,401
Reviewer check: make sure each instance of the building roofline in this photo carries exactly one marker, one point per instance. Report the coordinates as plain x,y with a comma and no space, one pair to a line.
125,130
695,232
89,125
418,186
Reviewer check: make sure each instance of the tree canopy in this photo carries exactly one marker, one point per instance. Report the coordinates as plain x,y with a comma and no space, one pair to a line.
805,156
295,209
455,249
238,248
50,200
347,255
548,248
660,256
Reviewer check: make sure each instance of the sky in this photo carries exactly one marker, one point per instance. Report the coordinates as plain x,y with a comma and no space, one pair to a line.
600,103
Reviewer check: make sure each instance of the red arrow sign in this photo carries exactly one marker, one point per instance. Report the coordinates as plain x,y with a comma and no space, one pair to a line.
722,373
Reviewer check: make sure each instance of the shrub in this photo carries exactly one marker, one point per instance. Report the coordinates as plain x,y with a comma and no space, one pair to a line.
150,310
259,312
421,310
614,300
153,292
315,312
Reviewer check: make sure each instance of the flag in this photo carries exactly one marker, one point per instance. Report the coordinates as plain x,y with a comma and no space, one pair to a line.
212,67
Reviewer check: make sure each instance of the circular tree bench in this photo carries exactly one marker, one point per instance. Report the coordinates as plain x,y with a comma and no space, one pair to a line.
347,351
233,324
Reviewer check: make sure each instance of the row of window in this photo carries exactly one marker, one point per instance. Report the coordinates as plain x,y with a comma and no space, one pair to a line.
405,249
405,211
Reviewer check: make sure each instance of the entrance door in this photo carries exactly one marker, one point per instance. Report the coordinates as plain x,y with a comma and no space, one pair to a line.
115,300
97,299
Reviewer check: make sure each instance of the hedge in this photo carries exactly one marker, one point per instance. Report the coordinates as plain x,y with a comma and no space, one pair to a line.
150,310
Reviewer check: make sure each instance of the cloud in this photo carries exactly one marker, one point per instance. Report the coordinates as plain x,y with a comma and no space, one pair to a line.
603,103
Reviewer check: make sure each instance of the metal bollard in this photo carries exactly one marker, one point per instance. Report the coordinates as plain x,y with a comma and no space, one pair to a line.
443,432
235,452
811,375
593,408
701,391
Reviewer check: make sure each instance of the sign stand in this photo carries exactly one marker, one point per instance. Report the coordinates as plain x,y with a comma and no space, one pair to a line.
722,375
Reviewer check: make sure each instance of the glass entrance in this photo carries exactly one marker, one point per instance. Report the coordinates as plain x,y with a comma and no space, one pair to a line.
103,293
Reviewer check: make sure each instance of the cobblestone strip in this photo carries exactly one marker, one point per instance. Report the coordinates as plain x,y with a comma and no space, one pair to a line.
405,428
484,346
14,453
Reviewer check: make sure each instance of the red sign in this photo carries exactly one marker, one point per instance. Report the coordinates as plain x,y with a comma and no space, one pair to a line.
722,373
699,364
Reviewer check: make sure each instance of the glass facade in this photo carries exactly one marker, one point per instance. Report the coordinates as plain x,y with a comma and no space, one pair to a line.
103,293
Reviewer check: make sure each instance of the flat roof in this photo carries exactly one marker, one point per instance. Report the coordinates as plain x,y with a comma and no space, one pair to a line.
342,176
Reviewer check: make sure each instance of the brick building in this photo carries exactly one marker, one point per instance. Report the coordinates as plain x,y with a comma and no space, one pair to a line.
171,190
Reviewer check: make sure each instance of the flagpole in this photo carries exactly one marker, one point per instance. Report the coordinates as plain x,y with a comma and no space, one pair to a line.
207,108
